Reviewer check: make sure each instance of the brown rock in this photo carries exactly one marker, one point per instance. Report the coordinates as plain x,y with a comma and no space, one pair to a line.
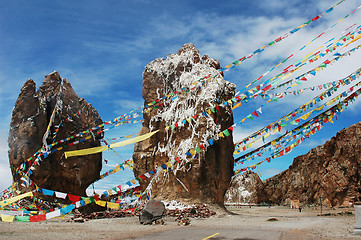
331,171
206,178
246,188
31,116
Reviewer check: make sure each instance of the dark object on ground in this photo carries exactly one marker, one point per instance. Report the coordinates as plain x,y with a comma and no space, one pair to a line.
153,211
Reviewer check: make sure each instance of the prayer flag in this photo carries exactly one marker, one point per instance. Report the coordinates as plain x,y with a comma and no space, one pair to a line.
53,214
113,205
22,218
101,203
67,209
48,192
73,198
7,218
60,195
37,218
114,145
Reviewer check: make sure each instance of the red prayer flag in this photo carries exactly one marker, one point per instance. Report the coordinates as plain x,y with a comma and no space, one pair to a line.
315,18
255,113
73,198
37,218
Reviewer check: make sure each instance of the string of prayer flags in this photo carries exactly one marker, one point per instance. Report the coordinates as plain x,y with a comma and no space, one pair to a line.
239,61
296,65
271,85
352,76
324,117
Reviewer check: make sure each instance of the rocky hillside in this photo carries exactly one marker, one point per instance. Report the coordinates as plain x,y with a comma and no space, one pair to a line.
204,175
331,171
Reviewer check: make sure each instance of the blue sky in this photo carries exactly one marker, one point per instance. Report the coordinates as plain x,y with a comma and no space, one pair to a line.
101,47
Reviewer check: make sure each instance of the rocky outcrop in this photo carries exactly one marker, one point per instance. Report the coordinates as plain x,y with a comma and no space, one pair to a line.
57,106
331,171
246,188
205,178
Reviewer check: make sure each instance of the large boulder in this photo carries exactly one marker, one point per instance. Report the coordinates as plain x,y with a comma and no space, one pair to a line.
205,178
246,188
31,116
330,171
152,211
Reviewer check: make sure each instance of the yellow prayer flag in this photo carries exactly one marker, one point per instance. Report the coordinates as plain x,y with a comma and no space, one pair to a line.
286,76
355,39
14,199
320,108
7,218
113,205
101,203
304,117
331,102
237,105
330,118
192,151
221,134
114,145
133,181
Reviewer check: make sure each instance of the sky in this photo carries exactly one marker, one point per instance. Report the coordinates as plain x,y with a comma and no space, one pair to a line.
102,47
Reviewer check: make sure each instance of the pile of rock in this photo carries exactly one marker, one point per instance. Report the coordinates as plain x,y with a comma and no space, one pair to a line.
197,211
104,214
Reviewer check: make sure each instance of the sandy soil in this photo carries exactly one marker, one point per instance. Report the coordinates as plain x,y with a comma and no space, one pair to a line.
290,224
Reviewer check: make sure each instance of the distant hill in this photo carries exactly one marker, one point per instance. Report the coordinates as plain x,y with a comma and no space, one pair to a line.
330,171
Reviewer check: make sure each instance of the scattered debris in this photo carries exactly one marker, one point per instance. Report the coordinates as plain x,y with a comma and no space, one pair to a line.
183,221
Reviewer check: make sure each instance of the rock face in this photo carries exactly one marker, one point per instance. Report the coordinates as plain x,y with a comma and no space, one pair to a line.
331,171
31,116
206,177
246,188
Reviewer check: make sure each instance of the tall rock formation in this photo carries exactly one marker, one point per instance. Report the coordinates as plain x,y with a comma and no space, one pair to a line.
246,188
331,171
206,177
57,106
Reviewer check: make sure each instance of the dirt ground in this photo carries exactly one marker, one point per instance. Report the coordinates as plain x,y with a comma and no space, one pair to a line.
287,223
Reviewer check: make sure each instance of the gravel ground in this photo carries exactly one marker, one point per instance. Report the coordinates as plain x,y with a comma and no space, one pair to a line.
289,224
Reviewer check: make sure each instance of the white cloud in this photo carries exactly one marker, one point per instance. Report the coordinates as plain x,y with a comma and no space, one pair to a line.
5,172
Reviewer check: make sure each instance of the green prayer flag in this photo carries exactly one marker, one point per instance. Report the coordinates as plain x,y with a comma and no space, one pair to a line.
226,133
198,149
250,117
22,218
